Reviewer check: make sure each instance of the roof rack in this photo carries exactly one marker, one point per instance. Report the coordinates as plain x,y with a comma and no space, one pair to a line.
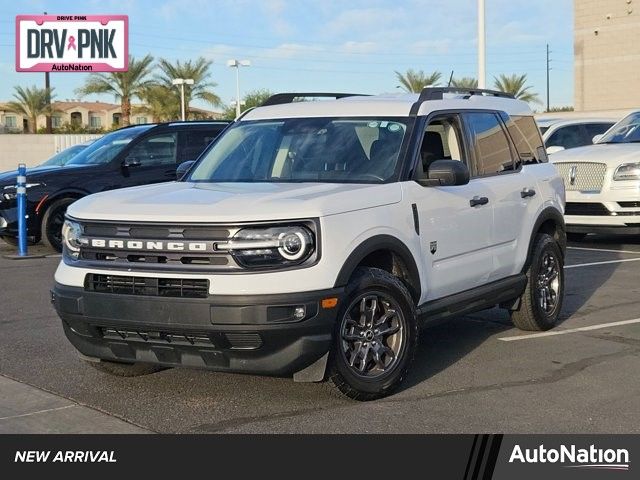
437,93
289,97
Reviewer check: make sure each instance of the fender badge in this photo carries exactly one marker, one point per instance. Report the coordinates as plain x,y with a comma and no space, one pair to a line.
433,246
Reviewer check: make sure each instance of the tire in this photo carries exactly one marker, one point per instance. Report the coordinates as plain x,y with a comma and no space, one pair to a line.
124,369
365,363
541,302
576,237
52,222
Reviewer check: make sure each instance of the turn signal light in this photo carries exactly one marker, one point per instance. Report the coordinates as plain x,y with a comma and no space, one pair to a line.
329,302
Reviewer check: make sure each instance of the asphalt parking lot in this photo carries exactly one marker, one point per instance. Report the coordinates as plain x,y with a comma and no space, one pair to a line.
474,374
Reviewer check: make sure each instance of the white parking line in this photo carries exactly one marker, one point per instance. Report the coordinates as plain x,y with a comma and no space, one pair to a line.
602,263
570,330
604,250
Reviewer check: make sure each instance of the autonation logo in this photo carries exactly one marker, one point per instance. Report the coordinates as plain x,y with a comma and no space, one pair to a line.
574,457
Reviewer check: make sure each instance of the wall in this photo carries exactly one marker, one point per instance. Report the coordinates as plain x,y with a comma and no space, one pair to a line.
33,149
607,54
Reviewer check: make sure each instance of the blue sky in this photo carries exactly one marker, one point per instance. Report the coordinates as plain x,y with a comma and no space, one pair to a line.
326,45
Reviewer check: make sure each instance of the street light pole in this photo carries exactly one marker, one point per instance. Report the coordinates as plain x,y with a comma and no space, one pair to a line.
237,64
182,82
482,60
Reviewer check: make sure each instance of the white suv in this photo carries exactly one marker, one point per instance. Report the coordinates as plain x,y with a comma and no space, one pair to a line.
603,182
314,238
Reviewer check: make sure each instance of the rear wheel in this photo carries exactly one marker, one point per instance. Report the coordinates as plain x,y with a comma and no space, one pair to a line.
123,369
52,222
375,338
541,301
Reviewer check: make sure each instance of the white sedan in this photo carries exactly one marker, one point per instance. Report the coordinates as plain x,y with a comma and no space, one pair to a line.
603,181
562,134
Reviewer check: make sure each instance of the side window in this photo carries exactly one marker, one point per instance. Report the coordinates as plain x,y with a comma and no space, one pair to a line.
570,136
525,136
195,141
594,129
442,140
155,150
493,151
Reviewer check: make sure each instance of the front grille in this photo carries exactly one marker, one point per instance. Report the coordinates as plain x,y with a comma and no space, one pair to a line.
595,209
147,286
244,341
629,204
153,259
582,176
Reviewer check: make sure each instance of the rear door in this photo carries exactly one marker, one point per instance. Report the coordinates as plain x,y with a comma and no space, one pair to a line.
193,141
512,189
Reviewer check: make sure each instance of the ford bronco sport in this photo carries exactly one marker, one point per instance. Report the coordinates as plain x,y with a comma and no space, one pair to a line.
314,239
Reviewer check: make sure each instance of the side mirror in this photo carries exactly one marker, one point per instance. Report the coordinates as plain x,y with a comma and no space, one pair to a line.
445,173
554,149
183,168
597,138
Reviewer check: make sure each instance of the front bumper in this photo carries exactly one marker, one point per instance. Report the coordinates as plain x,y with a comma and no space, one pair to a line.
611,211
249,334
9,219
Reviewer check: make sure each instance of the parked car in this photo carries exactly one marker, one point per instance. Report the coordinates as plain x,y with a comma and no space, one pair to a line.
135,155
562,134
314,238
62,158
603,182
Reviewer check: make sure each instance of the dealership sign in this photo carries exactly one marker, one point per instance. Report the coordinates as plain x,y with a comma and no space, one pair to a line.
72,43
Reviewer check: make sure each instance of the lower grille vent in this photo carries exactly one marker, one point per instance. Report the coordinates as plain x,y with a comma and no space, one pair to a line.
147,286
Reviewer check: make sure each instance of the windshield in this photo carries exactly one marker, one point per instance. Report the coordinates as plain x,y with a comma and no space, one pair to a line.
335,150
626,130
61,158
106,148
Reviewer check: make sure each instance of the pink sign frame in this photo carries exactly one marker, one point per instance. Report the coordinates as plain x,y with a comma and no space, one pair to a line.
96,66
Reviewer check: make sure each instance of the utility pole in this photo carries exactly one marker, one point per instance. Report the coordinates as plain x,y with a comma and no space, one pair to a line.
482,60
47,86
548,68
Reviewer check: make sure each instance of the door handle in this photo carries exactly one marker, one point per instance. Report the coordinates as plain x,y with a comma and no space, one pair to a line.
475,201
527,192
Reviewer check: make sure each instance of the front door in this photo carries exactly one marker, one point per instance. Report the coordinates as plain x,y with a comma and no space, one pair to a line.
151,160
455,221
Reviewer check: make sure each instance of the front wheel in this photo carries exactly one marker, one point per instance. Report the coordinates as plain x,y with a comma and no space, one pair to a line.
52,222
541,301
375,338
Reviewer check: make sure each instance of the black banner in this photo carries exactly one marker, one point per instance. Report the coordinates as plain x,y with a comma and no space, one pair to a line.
465,457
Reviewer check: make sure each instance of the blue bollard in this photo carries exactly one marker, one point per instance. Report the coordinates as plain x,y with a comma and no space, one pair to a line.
21,191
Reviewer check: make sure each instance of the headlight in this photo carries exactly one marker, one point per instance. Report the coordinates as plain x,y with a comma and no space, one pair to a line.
271,247
71,233
627,171
9,192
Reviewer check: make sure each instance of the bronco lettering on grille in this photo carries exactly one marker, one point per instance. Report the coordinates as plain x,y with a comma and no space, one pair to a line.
148,245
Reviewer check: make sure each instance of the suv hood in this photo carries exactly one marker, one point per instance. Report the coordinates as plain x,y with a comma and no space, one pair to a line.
612,154
184,202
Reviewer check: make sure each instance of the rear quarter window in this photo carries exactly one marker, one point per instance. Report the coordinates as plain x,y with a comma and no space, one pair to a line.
526,137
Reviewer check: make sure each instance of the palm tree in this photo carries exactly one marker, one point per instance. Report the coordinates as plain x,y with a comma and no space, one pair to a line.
123,85
464,82
160,103
197,70
515,85
254,98
31,103
413,81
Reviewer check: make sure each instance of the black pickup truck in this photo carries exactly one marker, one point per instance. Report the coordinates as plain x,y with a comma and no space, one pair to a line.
135,155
